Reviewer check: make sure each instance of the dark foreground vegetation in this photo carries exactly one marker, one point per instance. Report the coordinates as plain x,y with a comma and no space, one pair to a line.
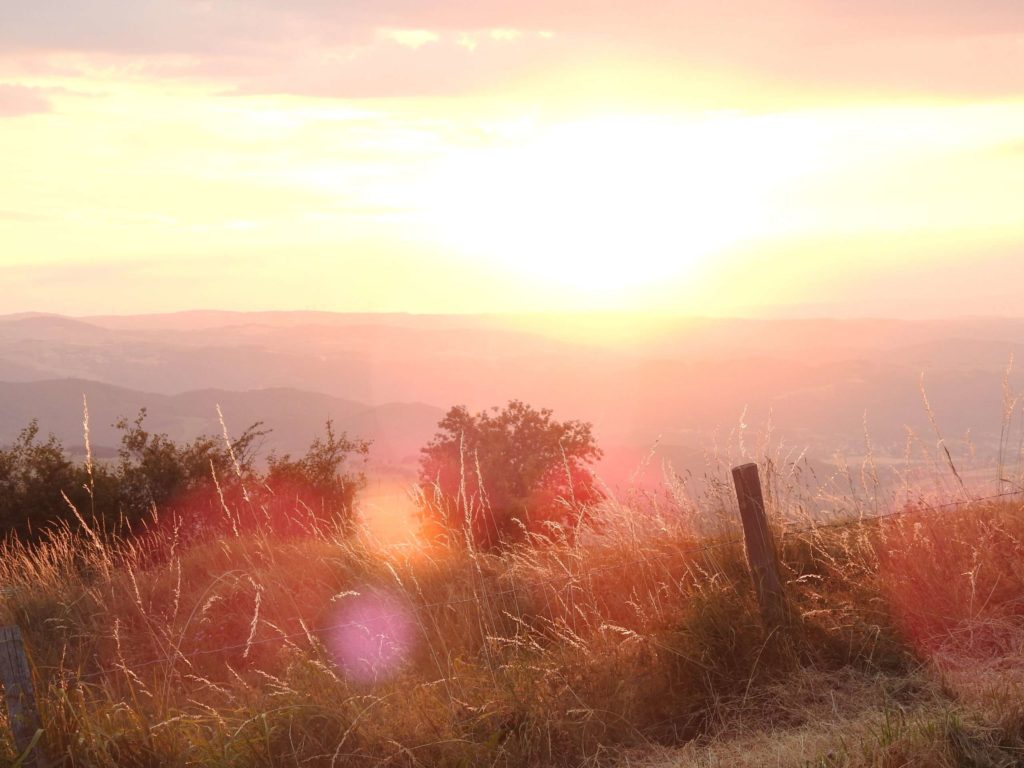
42,487
511,472
636,641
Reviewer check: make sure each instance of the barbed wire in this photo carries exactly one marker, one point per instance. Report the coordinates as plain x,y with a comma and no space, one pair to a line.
516,590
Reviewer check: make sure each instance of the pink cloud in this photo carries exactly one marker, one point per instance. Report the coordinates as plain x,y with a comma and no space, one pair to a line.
335,48
18,100
389,70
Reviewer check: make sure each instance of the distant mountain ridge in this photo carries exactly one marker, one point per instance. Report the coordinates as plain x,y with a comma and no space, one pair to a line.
296,417
681,382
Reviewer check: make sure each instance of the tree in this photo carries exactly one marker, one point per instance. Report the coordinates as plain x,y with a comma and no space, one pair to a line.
321,480
39,483
155,471
210,485
32,475
501,473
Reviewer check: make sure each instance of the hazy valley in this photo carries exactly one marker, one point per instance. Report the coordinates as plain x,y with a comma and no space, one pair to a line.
677,387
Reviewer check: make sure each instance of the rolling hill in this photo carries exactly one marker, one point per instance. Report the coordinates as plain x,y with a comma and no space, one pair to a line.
681,383
295,416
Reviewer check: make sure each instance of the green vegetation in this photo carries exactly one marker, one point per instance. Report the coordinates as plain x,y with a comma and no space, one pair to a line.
510,473
41,487
626,634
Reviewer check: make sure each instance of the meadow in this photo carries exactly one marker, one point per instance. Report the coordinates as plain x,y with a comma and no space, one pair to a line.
635,640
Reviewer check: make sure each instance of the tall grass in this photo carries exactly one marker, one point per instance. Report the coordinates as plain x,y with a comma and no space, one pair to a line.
637,634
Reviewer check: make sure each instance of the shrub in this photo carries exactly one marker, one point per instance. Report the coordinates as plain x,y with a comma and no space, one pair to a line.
33,472
320,481
501,474
193,483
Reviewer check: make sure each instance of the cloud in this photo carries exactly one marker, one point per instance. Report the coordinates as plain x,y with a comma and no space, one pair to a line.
380,48
18,100
410,38
189,26
413,66
23,217
130,26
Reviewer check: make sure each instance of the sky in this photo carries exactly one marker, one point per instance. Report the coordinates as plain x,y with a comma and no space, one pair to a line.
701,158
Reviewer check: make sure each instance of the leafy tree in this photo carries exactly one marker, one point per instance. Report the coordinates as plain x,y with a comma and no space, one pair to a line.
154,470
38,480
196,481
321,480
32,474
508,471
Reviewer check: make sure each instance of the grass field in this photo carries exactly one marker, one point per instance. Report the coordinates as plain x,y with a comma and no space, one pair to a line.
636,642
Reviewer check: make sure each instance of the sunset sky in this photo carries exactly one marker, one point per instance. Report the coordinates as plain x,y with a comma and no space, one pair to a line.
705,158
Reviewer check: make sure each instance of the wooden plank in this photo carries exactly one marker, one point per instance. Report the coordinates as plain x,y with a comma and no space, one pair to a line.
19,694
760,545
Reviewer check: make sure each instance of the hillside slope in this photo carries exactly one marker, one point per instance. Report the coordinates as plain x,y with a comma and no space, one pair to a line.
398,430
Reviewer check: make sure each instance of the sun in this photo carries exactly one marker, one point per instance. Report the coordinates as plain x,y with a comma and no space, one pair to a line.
603,207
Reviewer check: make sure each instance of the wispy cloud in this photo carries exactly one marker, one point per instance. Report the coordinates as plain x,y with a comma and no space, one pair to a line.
24,217
349,49
410,38
19,100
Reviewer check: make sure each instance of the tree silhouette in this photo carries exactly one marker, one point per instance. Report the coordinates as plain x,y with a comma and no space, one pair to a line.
498,474
322,481
195,482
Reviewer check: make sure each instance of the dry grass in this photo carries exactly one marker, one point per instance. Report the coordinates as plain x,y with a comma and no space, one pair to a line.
635,643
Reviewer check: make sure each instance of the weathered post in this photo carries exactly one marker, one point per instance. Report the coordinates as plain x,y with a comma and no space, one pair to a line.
19,694
760,546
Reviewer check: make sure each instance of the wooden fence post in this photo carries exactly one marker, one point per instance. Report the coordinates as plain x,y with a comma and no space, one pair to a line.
760,546
19,693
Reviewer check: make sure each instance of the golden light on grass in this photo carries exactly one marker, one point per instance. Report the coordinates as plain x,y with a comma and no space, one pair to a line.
284,650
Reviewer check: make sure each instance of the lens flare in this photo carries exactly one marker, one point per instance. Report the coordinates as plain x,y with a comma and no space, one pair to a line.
373,635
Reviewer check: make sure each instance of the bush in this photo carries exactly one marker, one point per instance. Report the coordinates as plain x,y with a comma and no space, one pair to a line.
318,480
33,473
194,482
501,474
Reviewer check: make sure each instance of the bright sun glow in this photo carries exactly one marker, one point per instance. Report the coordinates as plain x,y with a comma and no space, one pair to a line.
607,205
